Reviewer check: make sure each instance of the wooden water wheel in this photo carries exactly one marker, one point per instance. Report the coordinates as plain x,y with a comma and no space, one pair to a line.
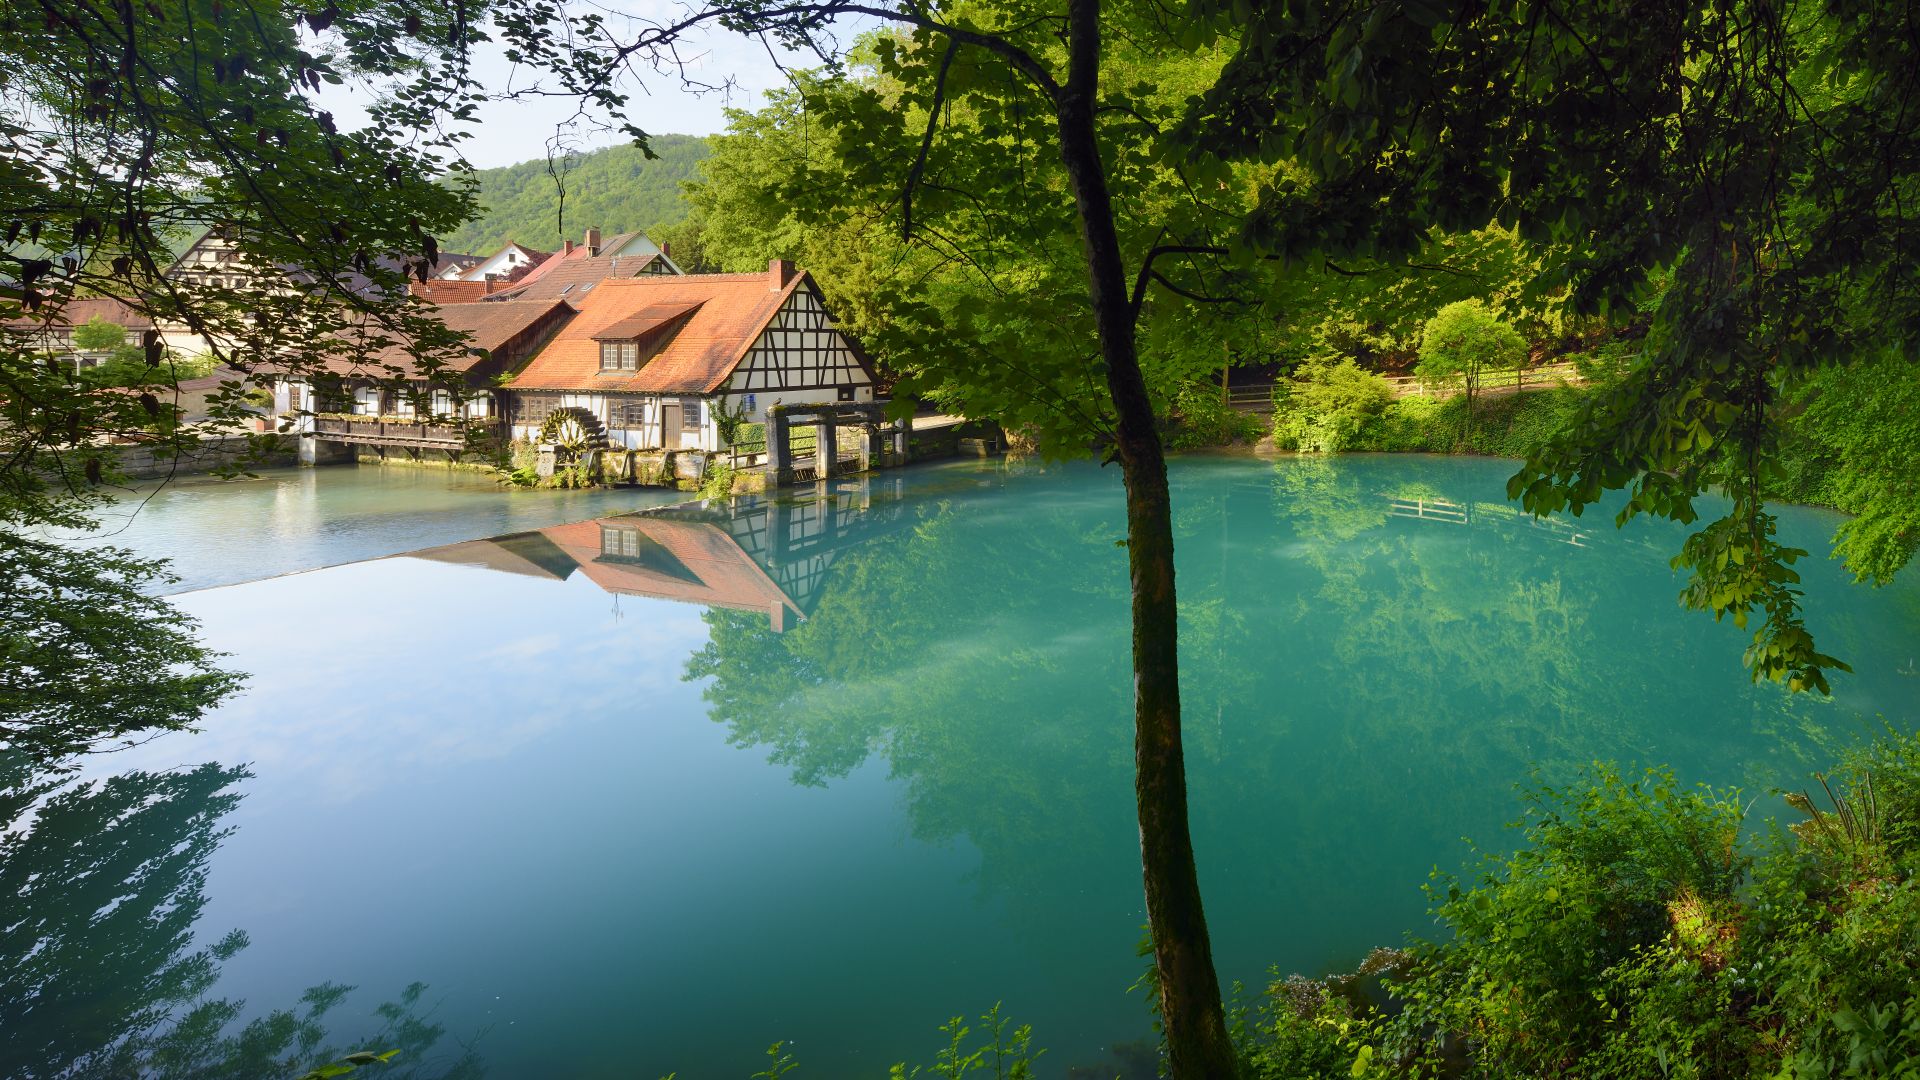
573,432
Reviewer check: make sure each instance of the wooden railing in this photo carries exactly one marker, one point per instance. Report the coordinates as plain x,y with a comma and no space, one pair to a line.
399,432
1259,397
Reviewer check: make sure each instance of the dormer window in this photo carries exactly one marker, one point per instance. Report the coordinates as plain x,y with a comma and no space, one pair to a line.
629,343
619,356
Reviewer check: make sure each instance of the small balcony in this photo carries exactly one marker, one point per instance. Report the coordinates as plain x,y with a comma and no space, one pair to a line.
410,432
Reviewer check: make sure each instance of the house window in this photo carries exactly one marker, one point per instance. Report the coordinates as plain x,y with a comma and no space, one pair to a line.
442,402
689,415
627,415
620,543
619,356
366,400
846,393
534,409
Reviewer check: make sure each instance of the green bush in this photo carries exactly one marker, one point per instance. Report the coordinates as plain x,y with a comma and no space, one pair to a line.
1637,934
1464,342
1333,407
1329,406
718,481
1200,419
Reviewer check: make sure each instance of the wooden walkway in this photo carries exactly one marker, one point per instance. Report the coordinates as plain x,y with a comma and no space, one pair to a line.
1258,397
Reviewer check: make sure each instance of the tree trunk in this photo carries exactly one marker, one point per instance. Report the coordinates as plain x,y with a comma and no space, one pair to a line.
1190,1009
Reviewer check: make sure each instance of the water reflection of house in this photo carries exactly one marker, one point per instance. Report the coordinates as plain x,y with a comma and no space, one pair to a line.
752,554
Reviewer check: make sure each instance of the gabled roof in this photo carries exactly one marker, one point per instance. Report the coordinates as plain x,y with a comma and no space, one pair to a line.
487,326
572,275
452,290
85,309
733,310
528,553
649,318
690,561
350,280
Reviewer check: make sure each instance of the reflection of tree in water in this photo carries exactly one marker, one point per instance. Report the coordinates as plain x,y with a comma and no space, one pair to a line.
1360,689
97,974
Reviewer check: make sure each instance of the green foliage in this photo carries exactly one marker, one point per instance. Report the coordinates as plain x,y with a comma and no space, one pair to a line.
779,1063
99,335
619,189
77,679
131,131
717,484
1640,191
1329,406
1637,935
1200,419
350,1063
1005,1055
1464,342
127,367
1853,445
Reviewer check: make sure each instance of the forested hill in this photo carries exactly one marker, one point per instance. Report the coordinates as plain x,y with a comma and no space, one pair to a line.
617,189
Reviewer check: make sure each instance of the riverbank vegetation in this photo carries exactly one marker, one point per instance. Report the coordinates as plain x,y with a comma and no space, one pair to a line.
1074,219
1646,929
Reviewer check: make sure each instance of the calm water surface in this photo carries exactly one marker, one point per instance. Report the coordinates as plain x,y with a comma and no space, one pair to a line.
288,520
647,793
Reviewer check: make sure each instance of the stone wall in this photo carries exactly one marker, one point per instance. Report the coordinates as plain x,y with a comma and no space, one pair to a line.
140,462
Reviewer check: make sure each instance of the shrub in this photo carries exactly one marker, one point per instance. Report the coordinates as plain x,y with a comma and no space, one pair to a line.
1200,418
717,483
1637,935
1464,341
1329,406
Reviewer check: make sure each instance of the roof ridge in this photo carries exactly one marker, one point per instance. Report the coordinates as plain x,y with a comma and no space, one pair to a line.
670,279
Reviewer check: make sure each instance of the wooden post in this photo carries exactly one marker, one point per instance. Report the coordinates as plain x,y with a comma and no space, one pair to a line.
779,452
825,449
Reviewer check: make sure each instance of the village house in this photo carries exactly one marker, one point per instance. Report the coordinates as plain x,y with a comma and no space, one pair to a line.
500,338
51,334
659,361
214,259
510,263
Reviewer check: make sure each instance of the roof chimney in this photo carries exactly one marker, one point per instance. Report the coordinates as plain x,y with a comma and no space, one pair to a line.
779,272
593,241
666,248
566,247
493,282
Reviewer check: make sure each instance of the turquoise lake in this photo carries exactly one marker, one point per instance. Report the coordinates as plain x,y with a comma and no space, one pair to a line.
641,794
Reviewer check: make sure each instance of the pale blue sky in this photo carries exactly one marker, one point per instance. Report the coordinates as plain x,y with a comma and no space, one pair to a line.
520,130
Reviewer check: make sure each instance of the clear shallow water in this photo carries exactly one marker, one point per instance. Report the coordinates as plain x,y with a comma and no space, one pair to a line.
287,520
576,783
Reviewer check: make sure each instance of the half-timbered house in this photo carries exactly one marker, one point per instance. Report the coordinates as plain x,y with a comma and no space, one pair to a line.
659,362
384,388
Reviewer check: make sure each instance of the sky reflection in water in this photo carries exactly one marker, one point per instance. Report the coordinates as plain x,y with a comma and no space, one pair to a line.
647,793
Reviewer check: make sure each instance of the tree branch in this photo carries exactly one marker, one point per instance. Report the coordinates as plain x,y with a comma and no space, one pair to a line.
926,141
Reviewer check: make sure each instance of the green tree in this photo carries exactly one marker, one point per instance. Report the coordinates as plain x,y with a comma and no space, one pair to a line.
128,132
1042,82
99,335
1465,341
1619,137
543,202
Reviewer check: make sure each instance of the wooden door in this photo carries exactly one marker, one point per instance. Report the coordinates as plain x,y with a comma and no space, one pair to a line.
670,424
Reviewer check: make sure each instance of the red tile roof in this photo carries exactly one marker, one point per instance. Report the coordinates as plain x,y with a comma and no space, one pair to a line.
85,309
700,356
573,275
694,562
487,326
651,317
